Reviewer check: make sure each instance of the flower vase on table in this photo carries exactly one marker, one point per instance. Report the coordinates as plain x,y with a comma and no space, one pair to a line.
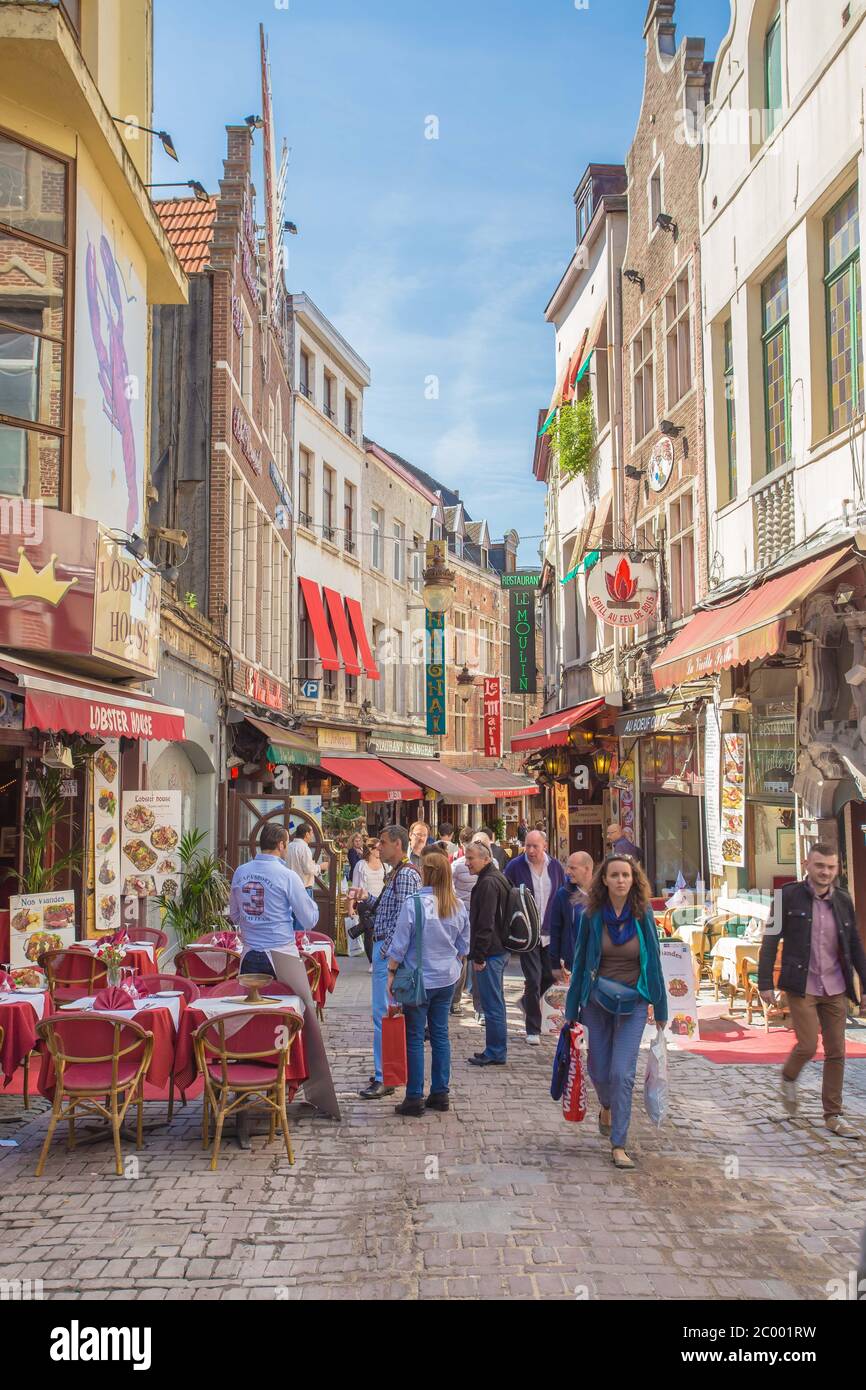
111,955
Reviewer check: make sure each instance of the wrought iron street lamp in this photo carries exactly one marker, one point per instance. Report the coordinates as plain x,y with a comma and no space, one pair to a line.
465,685
440,582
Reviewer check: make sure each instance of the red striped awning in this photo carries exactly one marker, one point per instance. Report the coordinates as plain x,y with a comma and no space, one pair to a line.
61,704
319,623
356,618
373,779
552,731
751,627
337,609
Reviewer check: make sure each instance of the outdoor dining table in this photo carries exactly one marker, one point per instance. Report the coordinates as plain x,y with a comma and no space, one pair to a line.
20,1011
196,1013
137,955
729,951
160,1015
321,948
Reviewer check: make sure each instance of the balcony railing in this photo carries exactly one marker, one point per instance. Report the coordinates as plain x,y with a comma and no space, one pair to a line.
774,515
305,390
331,414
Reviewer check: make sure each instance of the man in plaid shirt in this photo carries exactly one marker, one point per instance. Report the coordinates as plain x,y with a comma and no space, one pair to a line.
403,881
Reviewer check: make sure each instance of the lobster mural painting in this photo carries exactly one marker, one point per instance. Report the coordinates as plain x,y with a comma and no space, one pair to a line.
114,375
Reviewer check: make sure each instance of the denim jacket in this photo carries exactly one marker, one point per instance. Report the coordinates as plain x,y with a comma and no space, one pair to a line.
587,958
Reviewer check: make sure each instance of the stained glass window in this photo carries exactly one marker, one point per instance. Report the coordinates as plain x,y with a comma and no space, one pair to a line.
777,378
842,281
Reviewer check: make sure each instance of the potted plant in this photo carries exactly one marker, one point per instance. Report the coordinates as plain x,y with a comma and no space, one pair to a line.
40,821
203,892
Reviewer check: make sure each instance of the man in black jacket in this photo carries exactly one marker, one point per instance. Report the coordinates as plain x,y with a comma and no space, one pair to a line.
822,950
488,952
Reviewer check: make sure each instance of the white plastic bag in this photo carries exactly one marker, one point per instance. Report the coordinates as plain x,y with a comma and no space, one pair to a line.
655,1090
355,944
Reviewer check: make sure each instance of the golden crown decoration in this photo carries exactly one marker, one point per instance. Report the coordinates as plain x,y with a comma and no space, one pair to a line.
25,582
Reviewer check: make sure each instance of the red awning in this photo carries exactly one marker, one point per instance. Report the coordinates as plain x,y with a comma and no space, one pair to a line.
504,784
552,731
356,617
58,704
337,610
321,631
373,779
751,627
453,785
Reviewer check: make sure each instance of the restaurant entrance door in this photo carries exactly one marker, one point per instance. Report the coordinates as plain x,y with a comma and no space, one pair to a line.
247,817
674,842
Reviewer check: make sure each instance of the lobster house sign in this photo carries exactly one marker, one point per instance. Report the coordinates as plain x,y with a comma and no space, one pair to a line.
623,592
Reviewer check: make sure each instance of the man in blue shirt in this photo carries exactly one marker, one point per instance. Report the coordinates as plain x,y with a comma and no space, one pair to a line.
268,902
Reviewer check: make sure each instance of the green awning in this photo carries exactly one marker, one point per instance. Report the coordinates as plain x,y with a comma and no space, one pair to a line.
585,368
290,756
591,558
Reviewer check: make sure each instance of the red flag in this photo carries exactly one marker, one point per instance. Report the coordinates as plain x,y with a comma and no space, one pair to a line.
492,717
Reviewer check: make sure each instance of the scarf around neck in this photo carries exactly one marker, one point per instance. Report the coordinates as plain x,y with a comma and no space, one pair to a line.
621,926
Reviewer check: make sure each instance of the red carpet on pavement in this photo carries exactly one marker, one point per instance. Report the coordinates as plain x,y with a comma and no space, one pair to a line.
725,1039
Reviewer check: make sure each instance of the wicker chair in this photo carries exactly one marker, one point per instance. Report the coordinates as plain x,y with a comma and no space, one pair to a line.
207,966
73,974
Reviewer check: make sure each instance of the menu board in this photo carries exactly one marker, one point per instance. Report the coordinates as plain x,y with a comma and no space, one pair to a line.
712,788
106,837
733,800
40,922
149,839
678,972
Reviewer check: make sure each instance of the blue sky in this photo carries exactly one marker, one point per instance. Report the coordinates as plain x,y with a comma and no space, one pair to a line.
435,258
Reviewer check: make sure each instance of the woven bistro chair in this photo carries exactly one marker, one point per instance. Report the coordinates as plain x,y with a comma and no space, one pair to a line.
244,1054
153,984
313,968
73,975
94,1080
748,974
149,936
207,965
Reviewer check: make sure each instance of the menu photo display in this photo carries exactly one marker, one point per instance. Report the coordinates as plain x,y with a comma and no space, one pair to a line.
40,922
149,839
106,839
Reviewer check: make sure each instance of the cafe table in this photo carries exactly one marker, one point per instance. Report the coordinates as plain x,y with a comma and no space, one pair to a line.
160,1014
206,1007
729,951
321,948
20,1011
139,956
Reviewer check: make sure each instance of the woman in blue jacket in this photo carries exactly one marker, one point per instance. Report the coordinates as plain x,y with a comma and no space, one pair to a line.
568,905
616,988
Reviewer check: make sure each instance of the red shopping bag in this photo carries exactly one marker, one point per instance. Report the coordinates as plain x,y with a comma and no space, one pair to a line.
574,1094
394,1067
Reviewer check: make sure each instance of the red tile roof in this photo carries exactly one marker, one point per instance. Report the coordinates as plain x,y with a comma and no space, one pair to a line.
189,227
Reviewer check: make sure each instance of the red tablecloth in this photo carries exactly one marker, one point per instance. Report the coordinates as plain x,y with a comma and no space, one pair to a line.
328,962
136,959
159,1022
185,1070
18,1022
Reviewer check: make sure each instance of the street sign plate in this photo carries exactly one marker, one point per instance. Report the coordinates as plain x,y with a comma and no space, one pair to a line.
310,690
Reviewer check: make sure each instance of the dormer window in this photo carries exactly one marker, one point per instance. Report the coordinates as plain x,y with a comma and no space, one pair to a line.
584,215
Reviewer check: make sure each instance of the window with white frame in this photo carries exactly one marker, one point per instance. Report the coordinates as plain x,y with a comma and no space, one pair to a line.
272,425
399,549
278,439
329,396
417,560
350,421
350,504
418,706
487,648
305,380
681,549
678,339
267,657
246,381
643,382
305,487
329,502
377,688
377,526
460,642
251,574
461,722
236,586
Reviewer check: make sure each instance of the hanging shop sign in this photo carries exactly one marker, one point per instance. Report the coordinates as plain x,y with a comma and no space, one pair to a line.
661,464
623,592
521,625
712,788
345,739
560,800
435,673
734,800
126,608
149,840
522,580
492,717
106,837
265,689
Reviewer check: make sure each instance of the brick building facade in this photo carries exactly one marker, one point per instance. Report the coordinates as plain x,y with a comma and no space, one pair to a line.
664,511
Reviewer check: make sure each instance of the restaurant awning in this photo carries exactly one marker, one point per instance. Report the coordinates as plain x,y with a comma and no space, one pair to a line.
284,746
453,785
746,629
356,618
552,731
565,381
589,539
373,779
337,609
58,703
319,623
503,783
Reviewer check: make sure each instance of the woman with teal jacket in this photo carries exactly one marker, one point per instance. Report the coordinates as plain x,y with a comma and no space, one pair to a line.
616,988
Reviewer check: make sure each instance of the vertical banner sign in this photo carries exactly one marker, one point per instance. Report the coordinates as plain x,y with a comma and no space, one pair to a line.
712,788
435,671
106,822
678,973
734,800
492,717
521,626
560,801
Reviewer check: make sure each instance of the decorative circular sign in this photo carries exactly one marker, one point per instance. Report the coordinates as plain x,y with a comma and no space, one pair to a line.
661,464
622,592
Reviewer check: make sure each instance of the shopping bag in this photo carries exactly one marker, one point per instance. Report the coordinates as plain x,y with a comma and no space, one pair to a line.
553,1010
655,1088
574,1095
394,1067
355,943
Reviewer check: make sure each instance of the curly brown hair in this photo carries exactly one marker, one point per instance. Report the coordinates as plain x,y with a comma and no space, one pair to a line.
639,894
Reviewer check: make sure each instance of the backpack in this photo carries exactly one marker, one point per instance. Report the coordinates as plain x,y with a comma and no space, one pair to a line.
521,925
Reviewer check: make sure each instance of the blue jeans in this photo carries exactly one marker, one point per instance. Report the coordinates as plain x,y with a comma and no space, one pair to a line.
490,1000
614,1044
380,1004
433,1015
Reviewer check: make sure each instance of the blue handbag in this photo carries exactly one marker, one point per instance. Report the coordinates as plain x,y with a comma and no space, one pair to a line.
614,997
408,987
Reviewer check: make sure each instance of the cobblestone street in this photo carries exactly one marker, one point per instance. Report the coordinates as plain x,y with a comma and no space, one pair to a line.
497,1199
